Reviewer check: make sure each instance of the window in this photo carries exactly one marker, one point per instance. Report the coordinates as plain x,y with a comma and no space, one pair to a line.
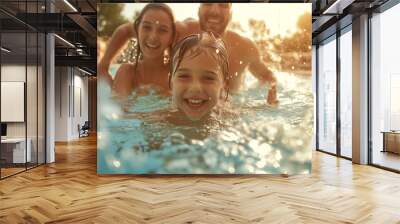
385,88
327,96
346,93
22,68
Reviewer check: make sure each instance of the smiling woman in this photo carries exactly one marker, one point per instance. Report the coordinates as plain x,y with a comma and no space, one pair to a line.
156,30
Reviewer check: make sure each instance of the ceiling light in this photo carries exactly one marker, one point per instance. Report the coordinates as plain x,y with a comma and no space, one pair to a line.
79,51
337,7
70,5
84,71
64,40
5,50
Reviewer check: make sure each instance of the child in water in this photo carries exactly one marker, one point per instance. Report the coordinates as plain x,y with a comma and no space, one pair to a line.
198,83
199,75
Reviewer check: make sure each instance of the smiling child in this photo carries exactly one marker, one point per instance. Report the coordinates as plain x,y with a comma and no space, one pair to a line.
199,75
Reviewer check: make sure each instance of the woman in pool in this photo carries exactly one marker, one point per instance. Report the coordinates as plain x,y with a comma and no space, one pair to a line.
199,75
156,32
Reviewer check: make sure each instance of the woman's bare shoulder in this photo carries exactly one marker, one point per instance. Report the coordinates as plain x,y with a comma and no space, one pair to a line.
125,72
126,69
123,81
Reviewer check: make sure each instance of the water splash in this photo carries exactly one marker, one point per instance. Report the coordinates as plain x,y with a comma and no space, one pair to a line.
256,139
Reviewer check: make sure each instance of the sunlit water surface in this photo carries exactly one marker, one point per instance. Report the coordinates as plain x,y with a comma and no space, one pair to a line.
258,139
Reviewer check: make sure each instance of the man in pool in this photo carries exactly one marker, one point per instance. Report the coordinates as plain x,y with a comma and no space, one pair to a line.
213,17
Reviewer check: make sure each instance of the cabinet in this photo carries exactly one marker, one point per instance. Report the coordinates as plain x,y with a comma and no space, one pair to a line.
391,141
13,150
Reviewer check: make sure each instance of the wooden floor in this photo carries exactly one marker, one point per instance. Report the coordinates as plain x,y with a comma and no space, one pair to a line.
5,172
10,171
70,191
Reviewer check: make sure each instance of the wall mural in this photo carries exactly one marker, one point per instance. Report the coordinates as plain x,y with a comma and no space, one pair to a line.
211,88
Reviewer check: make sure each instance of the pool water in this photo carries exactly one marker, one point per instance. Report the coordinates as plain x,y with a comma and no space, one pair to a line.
139,138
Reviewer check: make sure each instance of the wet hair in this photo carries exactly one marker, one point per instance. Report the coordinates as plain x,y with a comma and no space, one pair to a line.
155,6
197,44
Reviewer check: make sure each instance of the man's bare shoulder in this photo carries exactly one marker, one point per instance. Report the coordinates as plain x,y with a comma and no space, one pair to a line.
187,27
245,44
190,20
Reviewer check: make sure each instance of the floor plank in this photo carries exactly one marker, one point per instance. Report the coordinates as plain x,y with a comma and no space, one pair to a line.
70,191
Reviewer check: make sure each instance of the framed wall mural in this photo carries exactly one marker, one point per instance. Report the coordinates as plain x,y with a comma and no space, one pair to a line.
204,88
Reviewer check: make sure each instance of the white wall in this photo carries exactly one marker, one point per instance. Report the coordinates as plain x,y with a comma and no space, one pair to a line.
69,85
61,103
12,100
12,73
